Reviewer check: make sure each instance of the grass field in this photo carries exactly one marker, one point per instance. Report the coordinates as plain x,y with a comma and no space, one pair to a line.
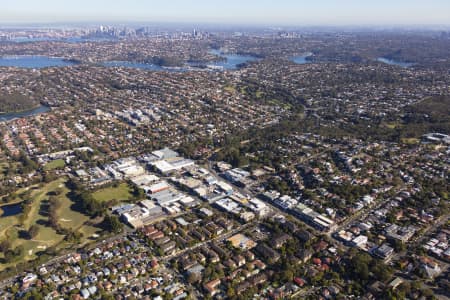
54,164
230,89
279,103
121,193
10,227
259,94
393,125
410,141
46,237
5,224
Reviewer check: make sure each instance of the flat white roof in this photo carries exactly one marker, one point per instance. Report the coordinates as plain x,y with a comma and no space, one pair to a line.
163,166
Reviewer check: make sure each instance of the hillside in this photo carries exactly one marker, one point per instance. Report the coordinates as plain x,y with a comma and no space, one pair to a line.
430,115
16,102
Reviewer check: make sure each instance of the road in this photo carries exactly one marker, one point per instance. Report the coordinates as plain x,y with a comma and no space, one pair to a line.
221,237
302,293
430,229
362,214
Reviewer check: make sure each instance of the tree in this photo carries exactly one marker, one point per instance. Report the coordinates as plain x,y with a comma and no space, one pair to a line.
28,165
5,246
381,271
428,293
53,205
360,266
399,246
193,277
405,287
287,275
138,193
390,217
10,254
113,224
231,292
73,237
33,231
106,296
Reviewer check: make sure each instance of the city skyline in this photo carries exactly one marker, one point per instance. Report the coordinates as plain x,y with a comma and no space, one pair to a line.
284,12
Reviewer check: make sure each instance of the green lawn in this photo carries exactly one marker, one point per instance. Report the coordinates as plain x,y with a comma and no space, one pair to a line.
121,193
393,125
410,141
88,231
230,89
279,103
54,164
38,195
5,224
47,236
69,218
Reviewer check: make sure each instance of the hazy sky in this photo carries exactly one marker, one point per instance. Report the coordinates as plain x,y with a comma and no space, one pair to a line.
288,12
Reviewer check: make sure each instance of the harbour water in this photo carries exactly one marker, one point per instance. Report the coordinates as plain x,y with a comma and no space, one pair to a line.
229,62
394,62
33,62
135,65
302,59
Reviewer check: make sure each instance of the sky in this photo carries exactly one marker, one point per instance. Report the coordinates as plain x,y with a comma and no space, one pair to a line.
258,12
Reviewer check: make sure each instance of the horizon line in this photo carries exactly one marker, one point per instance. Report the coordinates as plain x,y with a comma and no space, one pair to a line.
227,24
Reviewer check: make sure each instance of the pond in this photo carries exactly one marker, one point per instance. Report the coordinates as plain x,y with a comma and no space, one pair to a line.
9,210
